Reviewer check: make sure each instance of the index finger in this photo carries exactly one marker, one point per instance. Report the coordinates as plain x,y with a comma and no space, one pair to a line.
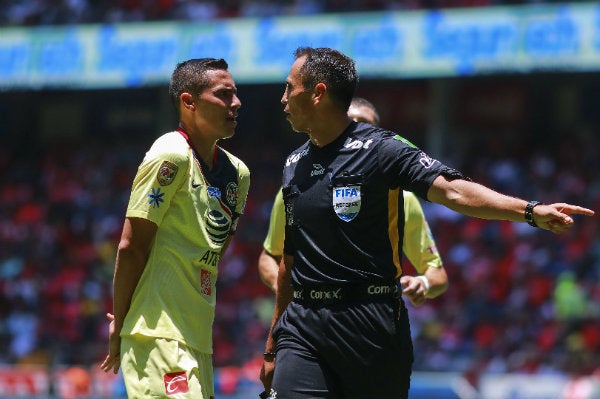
575,209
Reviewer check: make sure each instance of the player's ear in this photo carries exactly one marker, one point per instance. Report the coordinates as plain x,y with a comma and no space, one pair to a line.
187,101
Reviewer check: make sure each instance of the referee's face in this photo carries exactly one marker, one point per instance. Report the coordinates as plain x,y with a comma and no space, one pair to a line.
296,99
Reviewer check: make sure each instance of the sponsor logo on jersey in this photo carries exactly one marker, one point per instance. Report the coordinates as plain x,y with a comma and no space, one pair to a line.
357,144
205,282
176,383
295,157
214,192
427,161
231,193
155,197
210,258
325,294
166,173
346,202
318,170
379,289
289,213
218,225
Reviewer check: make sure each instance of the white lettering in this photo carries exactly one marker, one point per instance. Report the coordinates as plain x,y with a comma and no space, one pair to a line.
357,144
172,386
296,157
346,192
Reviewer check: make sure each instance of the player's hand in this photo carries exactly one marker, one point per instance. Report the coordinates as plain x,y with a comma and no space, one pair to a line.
557,217
414,289
113,359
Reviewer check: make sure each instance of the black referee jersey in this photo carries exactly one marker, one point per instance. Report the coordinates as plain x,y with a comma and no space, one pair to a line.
336,227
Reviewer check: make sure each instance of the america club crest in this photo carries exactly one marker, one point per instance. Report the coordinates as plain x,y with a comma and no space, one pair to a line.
166,173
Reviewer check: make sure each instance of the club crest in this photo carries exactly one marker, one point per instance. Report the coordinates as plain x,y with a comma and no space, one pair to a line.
166,173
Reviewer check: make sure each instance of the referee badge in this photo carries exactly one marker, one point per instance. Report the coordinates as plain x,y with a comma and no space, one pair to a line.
166,173
346,202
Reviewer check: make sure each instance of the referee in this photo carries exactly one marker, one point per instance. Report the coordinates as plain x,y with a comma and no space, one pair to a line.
418,244
340,329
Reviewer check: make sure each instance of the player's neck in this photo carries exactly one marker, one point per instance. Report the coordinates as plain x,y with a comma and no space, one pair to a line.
202,146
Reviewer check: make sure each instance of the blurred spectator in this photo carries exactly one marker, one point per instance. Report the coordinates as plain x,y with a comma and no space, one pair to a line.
518,298
50,12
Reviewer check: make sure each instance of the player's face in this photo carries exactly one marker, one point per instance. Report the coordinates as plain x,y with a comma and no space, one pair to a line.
361,114
297,100
218,106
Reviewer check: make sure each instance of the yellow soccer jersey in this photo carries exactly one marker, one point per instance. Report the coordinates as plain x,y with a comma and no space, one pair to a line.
195,210
418,245
273,243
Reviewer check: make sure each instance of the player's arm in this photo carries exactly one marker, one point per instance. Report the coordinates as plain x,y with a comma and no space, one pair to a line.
132,255
283,297
271,255
420,249
473,199
268,268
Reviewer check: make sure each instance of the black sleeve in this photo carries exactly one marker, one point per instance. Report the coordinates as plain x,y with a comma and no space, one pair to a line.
409,168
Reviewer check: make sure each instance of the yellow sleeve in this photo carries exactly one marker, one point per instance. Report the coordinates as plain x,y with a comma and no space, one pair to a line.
273,243
158,178
418,244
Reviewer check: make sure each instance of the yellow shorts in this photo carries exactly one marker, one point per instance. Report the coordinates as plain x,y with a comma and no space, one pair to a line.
161,368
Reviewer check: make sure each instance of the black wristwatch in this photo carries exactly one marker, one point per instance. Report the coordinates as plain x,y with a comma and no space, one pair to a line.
529,212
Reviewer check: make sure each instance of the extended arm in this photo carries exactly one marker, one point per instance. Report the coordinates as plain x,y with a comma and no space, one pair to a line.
473,199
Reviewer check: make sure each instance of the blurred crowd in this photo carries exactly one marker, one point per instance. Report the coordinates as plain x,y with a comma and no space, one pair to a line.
520,299
51,12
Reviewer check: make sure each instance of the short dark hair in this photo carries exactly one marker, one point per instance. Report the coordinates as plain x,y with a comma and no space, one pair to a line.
336,70
363,102
190,77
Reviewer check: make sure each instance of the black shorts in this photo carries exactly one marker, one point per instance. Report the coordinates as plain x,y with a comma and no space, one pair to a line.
356,350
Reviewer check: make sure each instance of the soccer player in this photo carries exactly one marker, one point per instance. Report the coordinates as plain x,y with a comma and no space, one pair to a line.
418,244
340,329
185,203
